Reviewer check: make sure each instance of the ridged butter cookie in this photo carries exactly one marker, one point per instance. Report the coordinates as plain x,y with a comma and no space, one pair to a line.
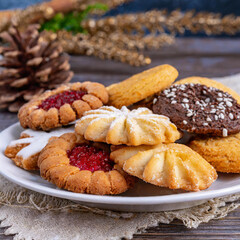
172,165
122,126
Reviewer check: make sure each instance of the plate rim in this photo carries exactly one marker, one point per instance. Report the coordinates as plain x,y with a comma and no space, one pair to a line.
117,200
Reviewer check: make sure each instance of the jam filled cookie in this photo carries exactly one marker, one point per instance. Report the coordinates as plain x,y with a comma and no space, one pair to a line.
141,86
25,151
136,127
82,167
199,109
222,153
63,105
175,166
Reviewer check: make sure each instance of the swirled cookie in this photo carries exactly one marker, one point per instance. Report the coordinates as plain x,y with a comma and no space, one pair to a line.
25,151
82,167
61,106
199,109
114,126
175,166
222,153
141,85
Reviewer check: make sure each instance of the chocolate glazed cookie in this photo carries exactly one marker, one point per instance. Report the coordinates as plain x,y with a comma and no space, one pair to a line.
199,109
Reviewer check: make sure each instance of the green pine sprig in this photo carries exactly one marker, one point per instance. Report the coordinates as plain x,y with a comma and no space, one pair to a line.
71,21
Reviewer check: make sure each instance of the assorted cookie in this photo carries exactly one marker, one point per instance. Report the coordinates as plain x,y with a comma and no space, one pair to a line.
93,172
222,153
122,126
199,109
25,151
61,106
175,166
111,145
141,85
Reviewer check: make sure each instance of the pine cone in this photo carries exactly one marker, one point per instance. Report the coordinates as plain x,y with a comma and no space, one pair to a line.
31,66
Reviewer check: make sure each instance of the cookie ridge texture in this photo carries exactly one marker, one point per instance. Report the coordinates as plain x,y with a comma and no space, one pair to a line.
122,126
175,166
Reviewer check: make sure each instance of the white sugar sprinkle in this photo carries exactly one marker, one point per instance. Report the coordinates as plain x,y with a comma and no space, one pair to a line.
221,115
209,119
173,102
154,100
229,104
207,100
225,132
185,100
231,116
185,122
205,124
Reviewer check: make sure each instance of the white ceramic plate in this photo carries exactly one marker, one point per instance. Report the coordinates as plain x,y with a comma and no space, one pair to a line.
142,198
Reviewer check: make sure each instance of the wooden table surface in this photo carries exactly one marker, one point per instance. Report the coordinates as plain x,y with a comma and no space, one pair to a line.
201,57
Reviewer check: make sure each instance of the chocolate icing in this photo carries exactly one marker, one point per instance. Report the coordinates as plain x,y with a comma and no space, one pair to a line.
199,109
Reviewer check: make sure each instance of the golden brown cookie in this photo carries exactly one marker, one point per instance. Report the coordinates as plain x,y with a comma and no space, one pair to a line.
25,151
222,153
61,106
175,166
141,85
93,172
210,83
122,126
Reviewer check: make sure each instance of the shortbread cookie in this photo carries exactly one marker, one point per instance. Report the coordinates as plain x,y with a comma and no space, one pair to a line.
25,151
141,86
82,167
175,166
199,109
210,83
61,106
136,127
222,153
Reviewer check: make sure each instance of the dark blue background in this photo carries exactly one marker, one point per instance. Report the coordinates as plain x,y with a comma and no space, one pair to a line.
218,6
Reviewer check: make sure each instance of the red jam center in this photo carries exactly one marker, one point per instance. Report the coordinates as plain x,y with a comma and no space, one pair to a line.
90,158
58,100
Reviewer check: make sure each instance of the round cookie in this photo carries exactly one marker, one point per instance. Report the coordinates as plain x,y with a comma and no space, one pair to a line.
61,106
210,83
122,126
222,153
172,165
25,151
141,85
199,109
82,167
